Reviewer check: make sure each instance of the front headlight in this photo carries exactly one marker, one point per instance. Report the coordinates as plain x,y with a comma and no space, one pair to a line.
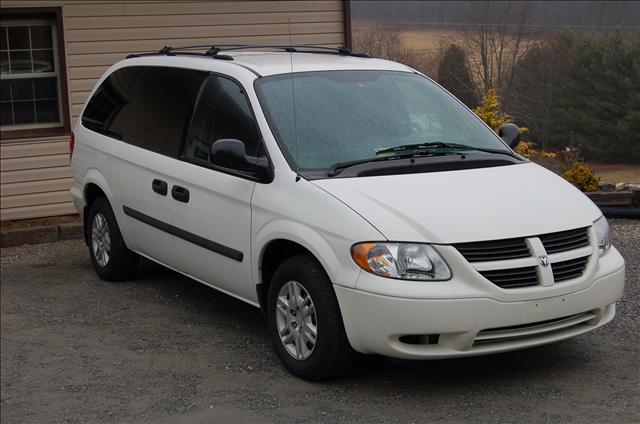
406,261
601,227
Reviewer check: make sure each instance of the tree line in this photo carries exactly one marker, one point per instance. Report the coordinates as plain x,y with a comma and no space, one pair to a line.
577,90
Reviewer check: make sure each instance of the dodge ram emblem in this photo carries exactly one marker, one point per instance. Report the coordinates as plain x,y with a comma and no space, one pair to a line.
544,260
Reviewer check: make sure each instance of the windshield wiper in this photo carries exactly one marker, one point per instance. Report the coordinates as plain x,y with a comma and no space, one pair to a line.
412,151
340,166
440,144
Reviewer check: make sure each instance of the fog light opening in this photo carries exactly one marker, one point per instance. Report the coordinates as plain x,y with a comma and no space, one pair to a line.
420,339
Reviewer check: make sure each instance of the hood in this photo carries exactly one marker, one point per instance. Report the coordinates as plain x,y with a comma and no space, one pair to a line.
467,205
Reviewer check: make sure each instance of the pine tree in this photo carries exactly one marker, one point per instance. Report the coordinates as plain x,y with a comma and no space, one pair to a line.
599,108
538,79
454,75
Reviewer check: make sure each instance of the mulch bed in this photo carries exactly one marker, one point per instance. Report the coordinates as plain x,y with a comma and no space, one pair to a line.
40,222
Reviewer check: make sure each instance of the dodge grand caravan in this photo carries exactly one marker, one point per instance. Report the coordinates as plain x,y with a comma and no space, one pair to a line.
356,202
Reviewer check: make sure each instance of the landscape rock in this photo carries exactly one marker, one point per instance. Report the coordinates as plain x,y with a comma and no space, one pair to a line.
606,186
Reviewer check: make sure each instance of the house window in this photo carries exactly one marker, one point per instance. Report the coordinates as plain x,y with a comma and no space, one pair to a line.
30,75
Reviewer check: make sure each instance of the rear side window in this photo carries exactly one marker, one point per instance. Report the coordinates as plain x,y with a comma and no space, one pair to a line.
146,106
223,111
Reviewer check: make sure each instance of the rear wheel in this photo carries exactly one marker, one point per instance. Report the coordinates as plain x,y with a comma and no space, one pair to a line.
111,258
305,322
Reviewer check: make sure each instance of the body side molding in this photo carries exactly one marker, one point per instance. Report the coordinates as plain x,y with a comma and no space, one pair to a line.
218,248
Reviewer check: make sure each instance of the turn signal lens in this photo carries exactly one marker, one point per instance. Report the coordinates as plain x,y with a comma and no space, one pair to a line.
360,254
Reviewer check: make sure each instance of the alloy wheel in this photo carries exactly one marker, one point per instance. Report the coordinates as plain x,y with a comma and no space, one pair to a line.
296,320
100,239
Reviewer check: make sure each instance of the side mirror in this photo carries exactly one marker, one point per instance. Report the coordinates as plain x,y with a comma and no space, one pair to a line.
230,153
510,133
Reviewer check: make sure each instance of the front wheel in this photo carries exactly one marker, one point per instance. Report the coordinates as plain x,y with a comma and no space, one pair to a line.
305,322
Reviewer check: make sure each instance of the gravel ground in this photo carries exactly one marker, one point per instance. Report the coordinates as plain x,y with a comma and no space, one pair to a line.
163,348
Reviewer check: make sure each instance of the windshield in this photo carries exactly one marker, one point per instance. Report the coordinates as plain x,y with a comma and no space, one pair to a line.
323,118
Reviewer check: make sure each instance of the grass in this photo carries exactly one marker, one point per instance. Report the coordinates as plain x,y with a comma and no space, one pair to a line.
617,172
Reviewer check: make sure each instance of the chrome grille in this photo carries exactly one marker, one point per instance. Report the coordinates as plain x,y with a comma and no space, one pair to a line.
565,240
567,270
496,250
512,278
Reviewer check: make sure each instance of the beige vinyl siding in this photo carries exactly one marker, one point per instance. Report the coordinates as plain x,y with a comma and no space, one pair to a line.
35,174
35,178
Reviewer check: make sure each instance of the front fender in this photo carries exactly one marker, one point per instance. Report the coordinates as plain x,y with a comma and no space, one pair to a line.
339,267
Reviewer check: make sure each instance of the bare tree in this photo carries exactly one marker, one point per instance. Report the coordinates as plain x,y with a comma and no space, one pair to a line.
386,43
495,38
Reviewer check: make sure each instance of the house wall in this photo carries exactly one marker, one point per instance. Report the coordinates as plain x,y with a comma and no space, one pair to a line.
34,172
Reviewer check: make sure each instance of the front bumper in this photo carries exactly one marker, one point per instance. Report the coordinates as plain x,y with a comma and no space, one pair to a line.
442,328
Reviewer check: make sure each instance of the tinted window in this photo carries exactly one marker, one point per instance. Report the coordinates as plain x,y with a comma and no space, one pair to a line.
145,106
222,112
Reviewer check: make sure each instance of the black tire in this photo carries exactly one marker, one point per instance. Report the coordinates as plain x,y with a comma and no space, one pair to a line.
122,263
332,355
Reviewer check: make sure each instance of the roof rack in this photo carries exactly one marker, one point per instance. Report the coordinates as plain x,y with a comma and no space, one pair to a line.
214,51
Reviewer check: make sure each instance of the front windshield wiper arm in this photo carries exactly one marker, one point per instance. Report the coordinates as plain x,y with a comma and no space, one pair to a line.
441,144
414,150
340,166
416,146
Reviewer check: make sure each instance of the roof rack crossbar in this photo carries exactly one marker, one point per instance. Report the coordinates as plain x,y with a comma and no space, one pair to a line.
214,50
179,53
291,48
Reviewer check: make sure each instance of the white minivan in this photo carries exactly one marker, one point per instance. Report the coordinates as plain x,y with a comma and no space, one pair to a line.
361,206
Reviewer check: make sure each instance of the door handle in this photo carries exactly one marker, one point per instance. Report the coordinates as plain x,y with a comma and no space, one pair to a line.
159,187
179,193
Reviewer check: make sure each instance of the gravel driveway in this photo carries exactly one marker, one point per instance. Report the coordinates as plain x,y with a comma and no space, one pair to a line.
163,348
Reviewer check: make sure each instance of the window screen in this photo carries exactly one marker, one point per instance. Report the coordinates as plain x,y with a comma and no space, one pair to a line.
222,112
148,106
